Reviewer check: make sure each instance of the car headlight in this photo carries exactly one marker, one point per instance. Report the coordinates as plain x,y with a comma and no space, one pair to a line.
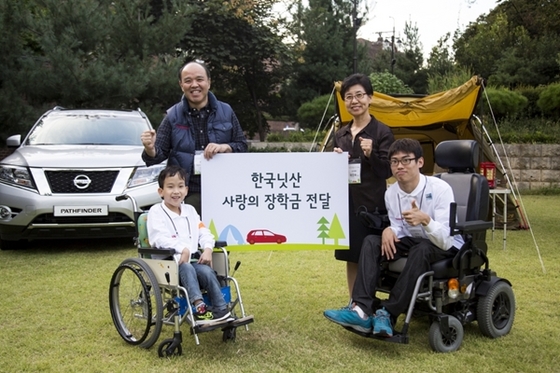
145,175
16,175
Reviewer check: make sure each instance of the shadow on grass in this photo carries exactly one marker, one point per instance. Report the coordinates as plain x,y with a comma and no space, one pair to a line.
56,246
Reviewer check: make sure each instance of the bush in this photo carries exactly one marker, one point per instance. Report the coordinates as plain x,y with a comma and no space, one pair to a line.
526,131
310,113
532,94
549,100
504,102
388,83
455,78
275,137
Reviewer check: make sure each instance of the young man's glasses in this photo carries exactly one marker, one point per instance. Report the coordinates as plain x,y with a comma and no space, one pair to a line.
404,161
358,96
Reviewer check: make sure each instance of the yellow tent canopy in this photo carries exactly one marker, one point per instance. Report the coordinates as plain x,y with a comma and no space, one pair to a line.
454,105
446,115
430,119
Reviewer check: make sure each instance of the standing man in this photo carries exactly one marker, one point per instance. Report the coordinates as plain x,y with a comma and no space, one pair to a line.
197,126
418,207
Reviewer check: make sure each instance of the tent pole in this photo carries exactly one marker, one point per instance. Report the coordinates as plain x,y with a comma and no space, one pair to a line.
516,203
504,170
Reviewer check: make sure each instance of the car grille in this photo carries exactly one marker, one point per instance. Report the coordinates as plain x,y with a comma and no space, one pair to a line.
81,181
111,218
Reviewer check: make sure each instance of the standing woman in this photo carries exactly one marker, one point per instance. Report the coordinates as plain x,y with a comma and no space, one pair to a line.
367,142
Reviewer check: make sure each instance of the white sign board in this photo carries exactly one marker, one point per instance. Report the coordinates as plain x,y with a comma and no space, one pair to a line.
277,201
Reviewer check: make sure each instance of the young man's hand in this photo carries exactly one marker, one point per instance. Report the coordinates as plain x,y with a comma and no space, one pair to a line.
185,256
206,257
415,216
388,239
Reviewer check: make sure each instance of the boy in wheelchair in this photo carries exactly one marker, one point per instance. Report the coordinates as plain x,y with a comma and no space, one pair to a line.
419,208
174,225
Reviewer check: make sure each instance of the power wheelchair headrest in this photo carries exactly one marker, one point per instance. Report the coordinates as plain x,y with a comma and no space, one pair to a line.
457,155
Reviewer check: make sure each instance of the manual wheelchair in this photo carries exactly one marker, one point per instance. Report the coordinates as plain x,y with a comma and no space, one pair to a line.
145,294
462,289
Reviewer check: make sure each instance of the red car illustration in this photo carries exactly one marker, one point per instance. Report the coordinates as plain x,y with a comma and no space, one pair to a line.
264,236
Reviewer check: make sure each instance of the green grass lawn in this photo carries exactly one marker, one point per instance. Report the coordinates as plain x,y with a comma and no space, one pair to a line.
55,314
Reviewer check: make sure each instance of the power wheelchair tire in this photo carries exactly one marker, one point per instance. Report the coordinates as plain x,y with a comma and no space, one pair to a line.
496,310
165,351
135,303
450,342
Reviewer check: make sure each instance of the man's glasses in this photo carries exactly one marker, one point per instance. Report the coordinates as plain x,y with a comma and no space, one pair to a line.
404,161
358,96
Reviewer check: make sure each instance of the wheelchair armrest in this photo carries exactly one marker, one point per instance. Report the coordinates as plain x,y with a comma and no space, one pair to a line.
171,252
473,226
152,251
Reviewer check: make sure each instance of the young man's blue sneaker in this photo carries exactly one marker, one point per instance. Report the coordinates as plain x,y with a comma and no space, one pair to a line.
382,324
350,318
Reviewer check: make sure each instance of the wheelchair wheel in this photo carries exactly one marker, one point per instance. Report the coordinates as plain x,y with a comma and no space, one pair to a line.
448,342
135,303
229,334
166,348
496,310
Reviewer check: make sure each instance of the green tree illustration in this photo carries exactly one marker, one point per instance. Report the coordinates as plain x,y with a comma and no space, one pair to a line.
336,232
213,230
323,228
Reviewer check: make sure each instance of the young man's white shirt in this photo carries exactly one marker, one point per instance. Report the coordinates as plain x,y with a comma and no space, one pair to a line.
433,196
169,230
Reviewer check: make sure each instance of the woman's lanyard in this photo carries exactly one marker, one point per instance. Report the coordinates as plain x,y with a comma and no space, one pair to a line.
174,227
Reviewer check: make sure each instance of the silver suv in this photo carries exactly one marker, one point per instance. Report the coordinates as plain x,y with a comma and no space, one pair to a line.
62,180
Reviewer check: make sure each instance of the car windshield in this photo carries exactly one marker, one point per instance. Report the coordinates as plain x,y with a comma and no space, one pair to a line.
98,129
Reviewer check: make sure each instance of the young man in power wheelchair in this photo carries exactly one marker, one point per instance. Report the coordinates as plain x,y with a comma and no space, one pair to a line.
180,265
430,259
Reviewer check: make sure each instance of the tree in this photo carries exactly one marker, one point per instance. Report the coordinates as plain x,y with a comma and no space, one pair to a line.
512,45
13,41
440,61
323,37
409,66
406,61
528,62
91,53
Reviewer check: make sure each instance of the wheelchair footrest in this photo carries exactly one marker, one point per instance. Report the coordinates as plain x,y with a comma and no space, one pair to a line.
202,328
241,321
396,338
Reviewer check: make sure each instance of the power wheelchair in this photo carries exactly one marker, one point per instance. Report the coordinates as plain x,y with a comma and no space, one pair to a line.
145,294
462,289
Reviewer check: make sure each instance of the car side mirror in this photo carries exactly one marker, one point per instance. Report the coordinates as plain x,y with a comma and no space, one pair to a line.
13,141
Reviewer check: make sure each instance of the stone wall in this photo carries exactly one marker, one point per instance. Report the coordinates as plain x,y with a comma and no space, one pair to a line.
533,166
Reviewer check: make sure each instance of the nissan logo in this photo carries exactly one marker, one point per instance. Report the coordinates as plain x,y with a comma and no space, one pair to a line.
82,181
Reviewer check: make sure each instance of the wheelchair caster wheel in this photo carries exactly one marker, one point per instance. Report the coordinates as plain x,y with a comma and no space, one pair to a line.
449,340
229,334
169,348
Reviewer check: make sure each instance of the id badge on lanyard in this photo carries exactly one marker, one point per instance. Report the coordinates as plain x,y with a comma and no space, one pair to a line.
354,171
198,162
